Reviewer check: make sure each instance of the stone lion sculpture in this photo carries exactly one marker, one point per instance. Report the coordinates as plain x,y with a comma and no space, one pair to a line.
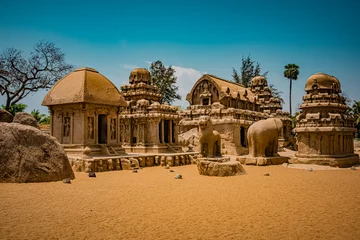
210,140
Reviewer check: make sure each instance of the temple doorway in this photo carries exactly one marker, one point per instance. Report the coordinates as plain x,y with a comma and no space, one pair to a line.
243,137
102,128
166,131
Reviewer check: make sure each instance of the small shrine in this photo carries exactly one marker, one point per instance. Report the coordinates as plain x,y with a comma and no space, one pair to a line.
84,108
325,130
146,125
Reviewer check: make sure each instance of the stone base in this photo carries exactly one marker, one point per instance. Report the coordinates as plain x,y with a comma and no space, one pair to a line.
149,149
262,161
329,160
220,167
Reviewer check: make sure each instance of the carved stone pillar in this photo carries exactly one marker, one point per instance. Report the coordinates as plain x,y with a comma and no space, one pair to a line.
170,131
51,122
96,125
62,127
162,131
331,143
85,128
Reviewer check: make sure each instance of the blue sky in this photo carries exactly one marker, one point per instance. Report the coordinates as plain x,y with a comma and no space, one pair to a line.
195,37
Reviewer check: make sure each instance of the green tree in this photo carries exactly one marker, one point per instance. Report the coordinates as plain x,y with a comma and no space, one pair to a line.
291,72
40,118
165,79
19,107
20,76
249,69
276,93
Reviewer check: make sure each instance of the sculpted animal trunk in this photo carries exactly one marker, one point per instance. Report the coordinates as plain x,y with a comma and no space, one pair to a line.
210,140
263,137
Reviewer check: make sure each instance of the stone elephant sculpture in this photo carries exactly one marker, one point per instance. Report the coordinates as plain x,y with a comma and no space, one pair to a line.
263,136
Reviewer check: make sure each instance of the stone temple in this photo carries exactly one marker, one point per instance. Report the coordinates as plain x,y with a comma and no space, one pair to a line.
146,126
324,129
84,107
88,113
232,109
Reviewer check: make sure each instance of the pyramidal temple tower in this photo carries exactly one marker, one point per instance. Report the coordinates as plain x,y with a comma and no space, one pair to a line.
324,129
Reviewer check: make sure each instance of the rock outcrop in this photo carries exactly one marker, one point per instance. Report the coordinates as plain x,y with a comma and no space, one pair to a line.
5,116
28,155
220,167
25,119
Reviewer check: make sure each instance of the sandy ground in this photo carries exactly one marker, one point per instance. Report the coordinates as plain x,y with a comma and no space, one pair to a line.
151,204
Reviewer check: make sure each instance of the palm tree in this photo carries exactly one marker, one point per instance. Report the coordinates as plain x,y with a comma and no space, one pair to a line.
291,72
40,118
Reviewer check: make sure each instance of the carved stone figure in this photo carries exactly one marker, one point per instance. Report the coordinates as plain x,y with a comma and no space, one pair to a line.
263,137
263,143
66,127
210,140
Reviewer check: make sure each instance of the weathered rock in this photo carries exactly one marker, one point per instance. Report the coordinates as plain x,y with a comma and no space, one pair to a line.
92,174
28,155
5,116
172,170
266,174
353,168
178,176
67,180
167,167
213,167
134,171
25,119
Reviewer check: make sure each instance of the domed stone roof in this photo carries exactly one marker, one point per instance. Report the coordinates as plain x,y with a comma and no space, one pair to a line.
139,75
258,80
84,85
322,81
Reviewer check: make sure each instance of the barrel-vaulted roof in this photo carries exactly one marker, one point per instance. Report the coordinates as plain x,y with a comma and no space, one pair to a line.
84,85
226,88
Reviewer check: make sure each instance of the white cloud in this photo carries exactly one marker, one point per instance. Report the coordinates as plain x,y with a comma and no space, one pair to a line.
186,78
128,66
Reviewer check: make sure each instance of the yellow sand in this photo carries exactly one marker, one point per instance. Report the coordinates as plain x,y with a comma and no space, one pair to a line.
151,204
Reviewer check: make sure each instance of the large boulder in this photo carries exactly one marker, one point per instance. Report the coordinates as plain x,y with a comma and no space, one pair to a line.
28,155
219,167
26,119
5,116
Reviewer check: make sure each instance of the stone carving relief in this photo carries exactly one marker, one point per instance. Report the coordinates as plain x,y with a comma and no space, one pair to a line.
67,127
113,129
90,128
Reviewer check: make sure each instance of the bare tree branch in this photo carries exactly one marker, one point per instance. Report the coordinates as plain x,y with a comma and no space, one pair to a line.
20,76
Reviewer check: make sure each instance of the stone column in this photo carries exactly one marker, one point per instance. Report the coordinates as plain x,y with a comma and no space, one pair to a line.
108,120
96,124
62,127
331,143
143,133
341,143
170,131
318,144
51,122
84,127
129,135
162,131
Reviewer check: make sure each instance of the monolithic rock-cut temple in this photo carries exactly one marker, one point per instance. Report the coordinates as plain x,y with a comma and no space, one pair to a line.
88,111
84,107
232,108
324,129
145,124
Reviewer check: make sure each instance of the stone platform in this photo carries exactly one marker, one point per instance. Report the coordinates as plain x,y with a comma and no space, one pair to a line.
128,161
341,161
262,161
219,166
